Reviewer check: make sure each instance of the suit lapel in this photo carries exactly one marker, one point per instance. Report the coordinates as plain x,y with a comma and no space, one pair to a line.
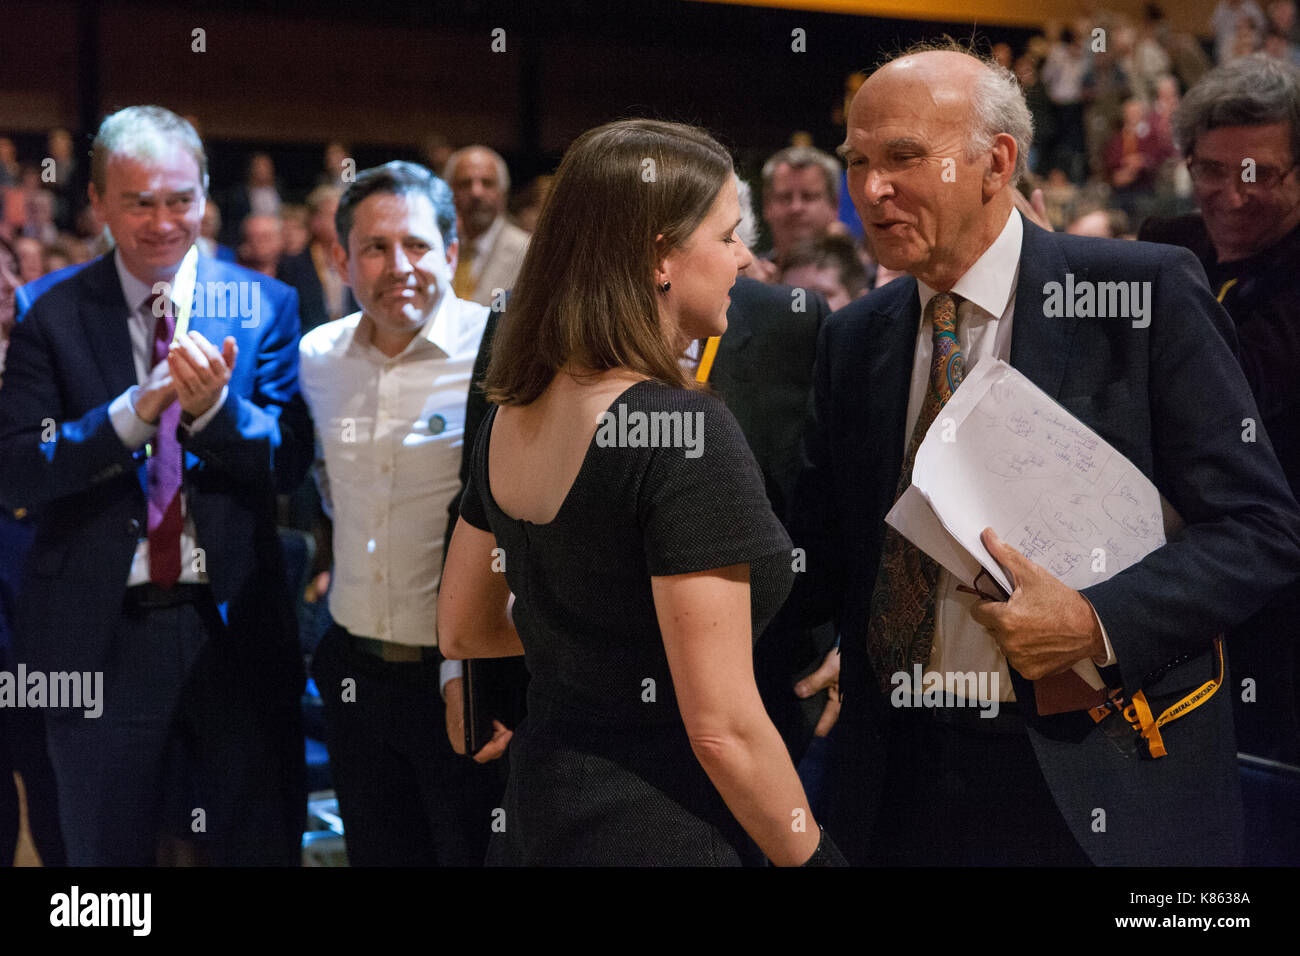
216,309
104,316
1040,345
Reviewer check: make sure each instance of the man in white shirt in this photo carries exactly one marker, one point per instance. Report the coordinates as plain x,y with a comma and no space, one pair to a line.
492,250
387,388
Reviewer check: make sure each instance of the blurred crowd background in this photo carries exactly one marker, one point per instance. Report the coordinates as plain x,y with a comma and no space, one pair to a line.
1102,89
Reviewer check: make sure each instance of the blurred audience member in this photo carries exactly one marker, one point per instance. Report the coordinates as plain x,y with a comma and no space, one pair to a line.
1238,130
258,194
1063,75
529,204
491,249
293,220
1040,108
335,159
40,224
1132,159
801,195
10,280
322,205
1281,16
9,168
208,232
262,243
31,258
1103,223
436,151
830,266
1149,60
59,149
262,250
1226,23
1279,46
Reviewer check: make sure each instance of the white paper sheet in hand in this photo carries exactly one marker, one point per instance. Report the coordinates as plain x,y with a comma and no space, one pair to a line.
1044,481
1002,454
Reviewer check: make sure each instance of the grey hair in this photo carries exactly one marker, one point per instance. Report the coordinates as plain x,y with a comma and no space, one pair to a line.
801,157
1250,91
143,132
748,228
997,105
503,173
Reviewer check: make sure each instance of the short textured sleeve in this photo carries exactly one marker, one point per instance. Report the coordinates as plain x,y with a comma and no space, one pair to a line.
471,501
703,505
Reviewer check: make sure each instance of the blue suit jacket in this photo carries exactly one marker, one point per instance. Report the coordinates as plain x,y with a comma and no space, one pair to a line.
1172,398
29,292
62,460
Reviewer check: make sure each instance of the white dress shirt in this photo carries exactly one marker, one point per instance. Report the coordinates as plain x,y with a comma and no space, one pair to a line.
134,432
984,318
391,431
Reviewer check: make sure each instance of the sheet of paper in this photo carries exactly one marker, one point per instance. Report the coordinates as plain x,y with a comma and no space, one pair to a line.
1002,454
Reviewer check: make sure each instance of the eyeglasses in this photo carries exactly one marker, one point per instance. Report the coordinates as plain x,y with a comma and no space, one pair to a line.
1211,175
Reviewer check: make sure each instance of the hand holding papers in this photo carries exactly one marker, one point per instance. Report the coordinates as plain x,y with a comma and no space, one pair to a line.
1002,454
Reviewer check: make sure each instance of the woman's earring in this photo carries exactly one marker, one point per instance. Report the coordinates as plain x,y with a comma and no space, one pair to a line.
665,287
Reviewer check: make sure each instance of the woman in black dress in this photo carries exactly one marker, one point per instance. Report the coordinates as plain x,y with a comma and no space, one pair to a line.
621,507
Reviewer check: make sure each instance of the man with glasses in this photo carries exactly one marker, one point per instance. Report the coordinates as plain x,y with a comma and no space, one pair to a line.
1239,129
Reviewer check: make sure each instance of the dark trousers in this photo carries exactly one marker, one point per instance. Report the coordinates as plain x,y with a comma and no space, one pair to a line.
23,751
406,798
968,793
195,742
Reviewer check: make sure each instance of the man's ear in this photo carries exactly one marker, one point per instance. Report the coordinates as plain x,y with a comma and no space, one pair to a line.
1002,166
340,257
96,201
453,255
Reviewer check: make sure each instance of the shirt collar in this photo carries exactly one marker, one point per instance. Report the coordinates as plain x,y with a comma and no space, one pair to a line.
988,284
137,293
439,330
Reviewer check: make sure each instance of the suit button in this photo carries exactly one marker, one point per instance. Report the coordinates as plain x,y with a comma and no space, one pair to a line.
133,527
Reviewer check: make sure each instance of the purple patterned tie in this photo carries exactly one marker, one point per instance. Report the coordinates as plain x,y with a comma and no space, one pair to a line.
164,470
901,632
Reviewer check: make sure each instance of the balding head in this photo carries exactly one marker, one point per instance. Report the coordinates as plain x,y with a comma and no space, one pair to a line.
479,183
935,144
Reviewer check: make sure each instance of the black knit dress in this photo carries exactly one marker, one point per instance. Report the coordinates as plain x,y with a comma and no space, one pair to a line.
601,770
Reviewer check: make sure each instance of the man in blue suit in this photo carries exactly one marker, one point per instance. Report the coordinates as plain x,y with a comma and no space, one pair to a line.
150,458
935,143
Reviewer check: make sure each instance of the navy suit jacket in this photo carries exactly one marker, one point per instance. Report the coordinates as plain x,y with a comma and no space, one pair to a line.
62,460
29,292
1172,398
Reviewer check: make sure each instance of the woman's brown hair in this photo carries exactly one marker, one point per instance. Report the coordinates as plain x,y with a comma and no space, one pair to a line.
586,292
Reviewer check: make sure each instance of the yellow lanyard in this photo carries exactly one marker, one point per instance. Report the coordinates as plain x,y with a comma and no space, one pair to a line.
1138,711
706,360
1226,286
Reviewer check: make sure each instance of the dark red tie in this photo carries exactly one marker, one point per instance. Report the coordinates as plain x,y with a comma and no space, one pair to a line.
164,470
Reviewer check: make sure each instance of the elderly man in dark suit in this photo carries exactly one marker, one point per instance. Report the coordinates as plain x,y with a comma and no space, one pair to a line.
935,143
150,459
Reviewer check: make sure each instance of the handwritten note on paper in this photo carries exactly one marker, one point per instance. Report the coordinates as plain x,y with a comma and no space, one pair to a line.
1002,454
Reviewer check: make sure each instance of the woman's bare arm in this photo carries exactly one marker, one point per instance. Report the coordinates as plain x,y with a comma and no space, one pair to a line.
705,621
474,600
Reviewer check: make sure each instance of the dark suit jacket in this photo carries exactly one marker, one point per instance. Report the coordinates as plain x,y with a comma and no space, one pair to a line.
763,371
1171,398
29,292
68,359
